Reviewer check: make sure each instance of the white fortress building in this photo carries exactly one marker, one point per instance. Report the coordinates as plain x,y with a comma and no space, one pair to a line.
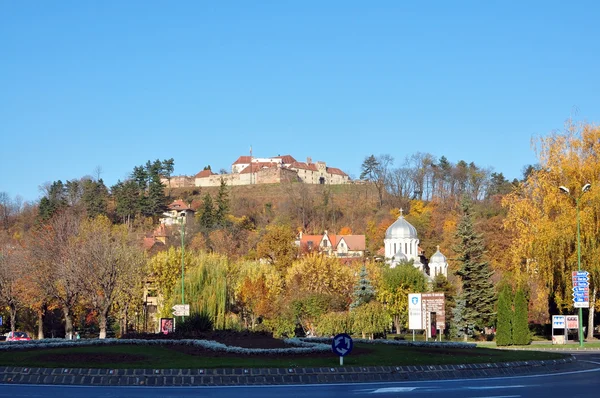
249,170
401,243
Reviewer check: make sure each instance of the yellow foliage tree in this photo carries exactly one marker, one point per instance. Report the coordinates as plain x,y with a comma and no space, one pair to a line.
544,220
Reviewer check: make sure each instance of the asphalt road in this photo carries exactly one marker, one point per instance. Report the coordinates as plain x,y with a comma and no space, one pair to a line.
584,383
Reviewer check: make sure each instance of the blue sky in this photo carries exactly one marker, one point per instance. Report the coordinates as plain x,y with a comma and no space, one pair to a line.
113,84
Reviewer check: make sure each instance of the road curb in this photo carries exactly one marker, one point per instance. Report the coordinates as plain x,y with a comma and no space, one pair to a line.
278,376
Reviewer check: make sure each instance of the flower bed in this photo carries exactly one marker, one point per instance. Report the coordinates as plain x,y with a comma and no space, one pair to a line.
299,345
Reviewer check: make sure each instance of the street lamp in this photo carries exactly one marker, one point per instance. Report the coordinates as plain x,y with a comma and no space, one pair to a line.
566,191
180,218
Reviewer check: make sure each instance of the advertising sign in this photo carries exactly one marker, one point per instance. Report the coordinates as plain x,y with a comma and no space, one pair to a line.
572,321
415,312
167,325
434,303
558,322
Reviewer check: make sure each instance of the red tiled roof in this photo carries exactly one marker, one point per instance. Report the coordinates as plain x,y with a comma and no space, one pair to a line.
179,205
354,242
304,166
243,160
205,173
148,243
286,159
333,170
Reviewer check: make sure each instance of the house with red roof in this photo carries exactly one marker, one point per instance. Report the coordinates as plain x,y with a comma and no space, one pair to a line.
342,246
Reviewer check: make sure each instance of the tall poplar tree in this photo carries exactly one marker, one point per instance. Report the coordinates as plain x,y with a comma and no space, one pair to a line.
477,289
521,333
504,321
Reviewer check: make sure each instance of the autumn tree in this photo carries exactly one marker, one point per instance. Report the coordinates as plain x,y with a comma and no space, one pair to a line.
276,245
52,251
376,170
396,284
10,276
544,220
107,258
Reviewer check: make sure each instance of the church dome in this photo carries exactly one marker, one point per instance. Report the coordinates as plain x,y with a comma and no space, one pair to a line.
399,257
438,257
401,229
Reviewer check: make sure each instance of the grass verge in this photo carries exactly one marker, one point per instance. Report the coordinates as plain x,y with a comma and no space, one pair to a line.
162,357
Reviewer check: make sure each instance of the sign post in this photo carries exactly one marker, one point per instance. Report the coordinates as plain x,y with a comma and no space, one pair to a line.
426,312
581,289
181,310
342,345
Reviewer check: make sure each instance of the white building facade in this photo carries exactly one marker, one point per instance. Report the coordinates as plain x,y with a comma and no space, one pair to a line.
401,243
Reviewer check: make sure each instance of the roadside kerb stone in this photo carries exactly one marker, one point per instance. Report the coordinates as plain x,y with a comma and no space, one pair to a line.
254,376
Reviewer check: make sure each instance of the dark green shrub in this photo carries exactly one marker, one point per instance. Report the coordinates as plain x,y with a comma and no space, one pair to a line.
504,317
194,324
521,333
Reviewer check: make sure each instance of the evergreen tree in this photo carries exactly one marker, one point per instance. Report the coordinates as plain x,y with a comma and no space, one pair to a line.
222,203
95,197
126,196
477,288
156,199
363,291
505,315
55,200
521,334
206,218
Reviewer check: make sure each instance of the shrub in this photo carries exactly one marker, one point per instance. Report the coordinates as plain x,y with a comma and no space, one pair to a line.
504,327
194,324
521,333
333,323
281,326
369,319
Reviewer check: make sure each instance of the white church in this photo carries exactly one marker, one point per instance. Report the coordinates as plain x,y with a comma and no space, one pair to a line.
402,244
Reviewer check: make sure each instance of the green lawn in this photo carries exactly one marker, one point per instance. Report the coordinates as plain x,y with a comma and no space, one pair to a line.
157,357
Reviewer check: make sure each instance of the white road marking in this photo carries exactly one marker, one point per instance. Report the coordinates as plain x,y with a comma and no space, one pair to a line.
494,387
499,396
393,389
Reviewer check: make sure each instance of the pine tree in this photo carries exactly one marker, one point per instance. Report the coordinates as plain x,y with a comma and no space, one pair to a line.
363,291
477,289
207,214
222,202
521,334
504,320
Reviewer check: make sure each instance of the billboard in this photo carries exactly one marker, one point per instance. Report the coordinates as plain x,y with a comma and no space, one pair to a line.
415,312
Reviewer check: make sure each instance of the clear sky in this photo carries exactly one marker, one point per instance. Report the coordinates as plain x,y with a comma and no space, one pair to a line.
116,83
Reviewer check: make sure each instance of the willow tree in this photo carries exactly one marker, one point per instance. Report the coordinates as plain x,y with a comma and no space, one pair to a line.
206,287
544,219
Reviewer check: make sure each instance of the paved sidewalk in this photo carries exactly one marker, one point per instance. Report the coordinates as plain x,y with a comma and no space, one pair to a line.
255,376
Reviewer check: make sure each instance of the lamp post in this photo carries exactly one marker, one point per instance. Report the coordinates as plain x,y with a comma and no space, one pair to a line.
584,189
183,262
180,218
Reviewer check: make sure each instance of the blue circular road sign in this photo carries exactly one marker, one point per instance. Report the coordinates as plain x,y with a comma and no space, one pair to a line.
342,344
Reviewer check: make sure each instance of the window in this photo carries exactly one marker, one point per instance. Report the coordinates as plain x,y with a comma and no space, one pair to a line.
324,242
406,248
394,248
